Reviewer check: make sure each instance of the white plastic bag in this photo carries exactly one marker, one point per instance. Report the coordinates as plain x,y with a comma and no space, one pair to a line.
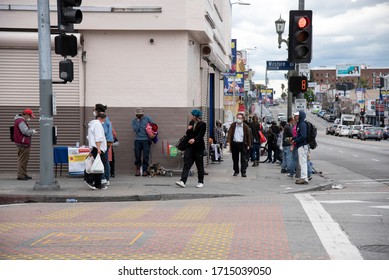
97,166
88,164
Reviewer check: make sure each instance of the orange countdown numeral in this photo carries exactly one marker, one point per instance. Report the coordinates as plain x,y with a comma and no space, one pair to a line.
303,85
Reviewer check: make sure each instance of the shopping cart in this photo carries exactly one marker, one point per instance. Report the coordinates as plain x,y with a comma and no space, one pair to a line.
170,151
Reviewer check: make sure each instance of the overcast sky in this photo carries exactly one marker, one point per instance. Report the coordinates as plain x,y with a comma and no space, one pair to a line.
344,32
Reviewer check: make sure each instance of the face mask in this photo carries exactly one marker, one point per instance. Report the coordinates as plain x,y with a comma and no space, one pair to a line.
239,121
94,113
139,116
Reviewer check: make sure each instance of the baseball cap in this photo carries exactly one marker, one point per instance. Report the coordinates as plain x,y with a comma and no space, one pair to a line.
296,113
29,112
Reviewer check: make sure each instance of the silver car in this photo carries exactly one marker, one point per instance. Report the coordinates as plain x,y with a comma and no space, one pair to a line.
372,133
354,131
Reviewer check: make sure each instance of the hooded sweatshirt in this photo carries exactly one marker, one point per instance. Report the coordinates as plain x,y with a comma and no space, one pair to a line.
302,131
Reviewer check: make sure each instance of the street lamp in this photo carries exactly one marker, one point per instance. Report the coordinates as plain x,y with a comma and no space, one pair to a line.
280,27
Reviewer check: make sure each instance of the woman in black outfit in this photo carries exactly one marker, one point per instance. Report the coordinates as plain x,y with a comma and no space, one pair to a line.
195,151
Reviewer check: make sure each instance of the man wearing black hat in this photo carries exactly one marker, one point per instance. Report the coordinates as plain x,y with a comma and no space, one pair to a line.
22,138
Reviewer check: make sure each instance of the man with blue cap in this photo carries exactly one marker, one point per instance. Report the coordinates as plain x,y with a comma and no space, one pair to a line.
195,151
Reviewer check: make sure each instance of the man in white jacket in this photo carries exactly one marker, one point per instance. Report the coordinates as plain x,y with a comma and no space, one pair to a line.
98,145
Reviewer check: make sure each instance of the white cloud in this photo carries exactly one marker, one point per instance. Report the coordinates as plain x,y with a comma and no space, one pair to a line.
344,31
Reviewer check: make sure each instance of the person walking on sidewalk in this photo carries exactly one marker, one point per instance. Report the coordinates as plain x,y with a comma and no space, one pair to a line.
239,143
97,145
195,152
142,142
22,138
255,128
107,125
302,146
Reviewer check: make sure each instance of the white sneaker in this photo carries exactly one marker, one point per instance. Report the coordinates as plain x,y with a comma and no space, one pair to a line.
90,185
107,184
104,181
181,184
199,185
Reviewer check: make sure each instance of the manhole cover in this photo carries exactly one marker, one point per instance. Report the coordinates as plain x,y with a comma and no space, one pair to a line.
376,248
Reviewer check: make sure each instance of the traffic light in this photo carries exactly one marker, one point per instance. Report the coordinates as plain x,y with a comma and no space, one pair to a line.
300,36
336,97
297,84
66,70
362,111
67,16
382,82
66,45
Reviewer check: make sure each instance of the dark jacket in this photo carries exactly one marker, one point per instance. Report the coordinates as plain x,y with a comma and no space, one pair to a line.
302,131
255,127
197,133
288,133
246,135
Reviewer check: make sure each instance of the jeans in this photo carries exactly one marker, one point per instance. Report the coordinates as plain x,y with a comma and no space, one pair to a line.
293,163
139,147
286,158
255,151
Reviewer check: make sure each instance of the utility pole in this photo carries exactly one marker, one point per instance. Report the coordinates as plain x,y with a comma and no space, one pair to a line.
46,178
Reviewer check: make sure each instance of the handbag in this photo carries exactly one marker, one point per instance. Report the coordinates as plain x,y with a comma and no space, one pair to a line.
262,137
97,166
88,164
182,143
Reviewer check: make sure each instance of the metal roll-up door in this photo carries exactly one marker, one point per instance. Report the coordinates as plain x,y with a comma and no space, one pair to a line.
19,89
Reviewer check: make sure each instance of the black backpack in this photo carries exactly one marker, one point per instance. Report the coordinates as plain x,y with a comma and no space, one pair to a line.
311,135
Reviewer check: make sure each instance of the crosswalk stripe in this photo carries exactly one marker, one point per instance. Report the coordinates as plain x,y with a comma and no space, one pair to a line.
334,240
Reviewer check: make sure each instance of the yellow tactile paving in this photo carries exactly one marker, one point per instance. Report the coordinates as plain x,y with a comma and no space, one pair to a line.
192,213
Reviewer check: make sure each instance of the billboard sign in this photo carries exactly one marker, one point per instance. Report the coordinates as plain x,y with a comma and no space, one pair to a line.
236,80
349,70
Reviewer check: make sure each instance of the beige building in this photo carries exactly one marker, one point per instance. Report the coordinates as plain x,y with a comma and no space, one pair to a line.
166,56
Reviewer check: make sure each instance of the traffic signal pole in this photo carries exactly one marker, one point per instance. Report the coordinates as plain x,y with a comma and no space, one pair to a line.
46,175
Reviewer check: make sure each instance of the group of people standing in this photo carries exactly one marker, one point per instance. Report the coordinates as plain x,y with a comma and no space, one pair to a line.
286,144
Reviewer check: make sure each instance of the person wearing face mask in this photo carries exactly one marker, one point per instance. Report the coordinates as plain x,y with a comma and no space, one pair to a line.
100,109
239,142
22,138
142,143
195,152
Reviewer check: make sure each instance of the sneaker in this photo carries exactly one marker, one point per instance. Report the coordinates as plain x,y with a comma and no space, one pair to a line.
104,187
90,185
180,184
309,178
104,181
107,184
199,185
301,182
235,174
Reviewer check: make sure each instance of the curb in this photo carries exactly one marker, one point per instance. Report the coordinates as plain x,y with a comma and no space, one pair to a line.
12,199
321,187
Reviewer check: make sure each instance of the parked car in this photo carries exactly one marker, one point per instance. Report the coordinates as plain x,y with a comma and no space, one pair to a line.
354,130
337,129
344,130
329,118
362,129
281,115
372,133
332,129
386,133
321,113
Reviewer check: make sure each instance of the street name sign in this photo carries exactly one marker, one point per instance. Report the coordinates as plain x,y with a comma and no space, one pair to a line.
279,65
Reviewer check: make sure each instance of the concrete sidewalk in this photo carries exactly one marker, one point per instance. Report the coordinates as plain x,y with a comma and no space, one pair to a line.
266,178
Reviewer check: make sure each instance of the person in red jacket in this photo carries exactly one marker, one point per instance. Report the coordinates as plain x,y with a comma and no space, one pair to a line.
22,139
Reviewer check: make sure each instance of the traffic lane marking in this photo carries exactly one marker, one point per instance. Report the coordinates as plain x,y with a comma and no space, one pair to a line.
334,240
